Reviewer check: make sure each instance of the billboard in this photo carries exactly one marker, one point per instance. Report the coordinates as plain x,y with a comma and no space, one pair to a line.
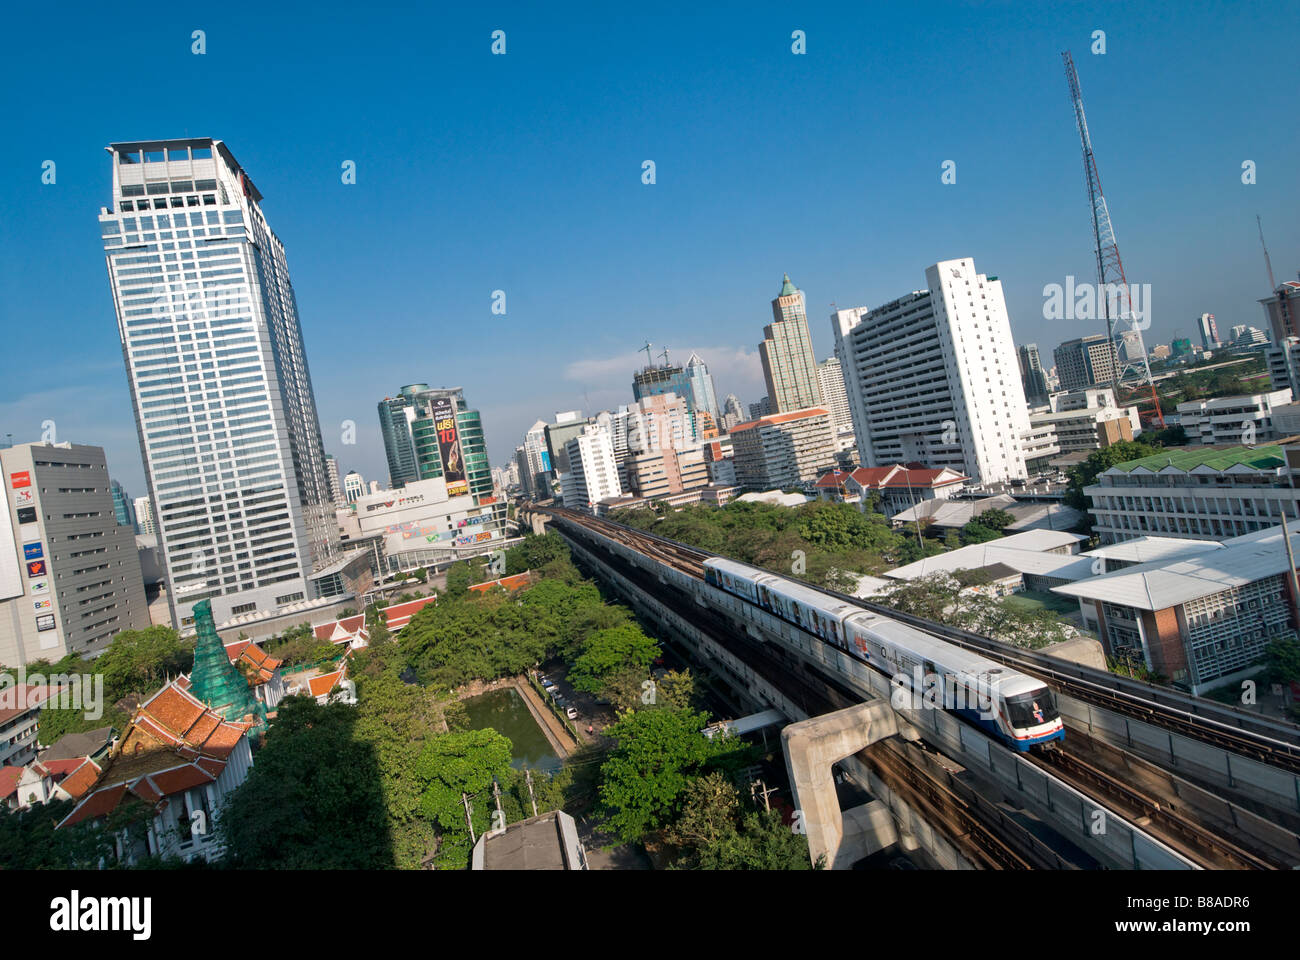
26,514
45,621
21,479
11,581
453,463
33,551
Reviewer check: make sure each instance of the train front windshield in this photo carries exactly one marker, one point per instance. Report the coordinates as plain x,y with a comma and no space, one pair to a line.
1032,709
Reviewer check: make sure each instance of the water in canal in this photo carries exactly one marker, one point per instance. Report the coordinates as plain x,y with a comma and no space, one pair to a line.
506,713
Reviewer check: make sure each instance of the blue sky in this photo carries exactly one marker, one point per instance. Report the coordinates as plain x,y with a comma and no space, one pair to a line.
523,173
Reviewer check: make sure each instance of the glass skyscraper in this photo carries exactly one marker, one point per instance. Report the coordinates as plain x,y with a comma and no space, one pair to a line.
417,445
218,375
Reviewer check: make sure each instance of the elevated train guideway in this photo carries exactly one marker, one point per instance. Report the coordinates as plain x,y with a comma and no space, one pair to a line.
1071,795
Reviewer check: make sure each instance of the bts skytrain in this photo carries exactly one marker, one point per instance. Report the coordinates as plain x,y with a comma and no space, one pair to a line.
1017,709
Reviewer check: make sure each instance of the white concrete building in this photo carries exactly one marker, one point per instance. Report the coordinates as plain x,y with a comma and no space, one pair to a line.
1232,420
783,449
218,375
933,377
593,473
144,516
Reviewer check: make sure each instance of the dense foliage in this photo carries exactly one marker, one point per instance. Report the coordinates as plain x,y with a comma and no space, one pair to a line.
821,542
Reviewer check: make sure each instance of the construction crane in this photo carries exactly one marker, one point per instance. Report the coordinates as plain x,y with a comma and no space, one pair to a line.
1284,309
1110,268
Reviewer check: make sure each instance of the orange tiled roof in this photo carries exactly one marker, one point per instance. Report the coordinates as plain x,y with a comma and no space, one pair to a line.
324,683
173,743
772,419
81,779
9,777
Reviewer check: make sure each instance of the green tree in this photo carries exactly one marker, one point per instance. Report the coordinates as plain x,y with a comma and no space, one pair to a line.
657,754
1282,660
458,579
976,532
313,800
995,519
709,808
453,767
609,652
1099,461
763,842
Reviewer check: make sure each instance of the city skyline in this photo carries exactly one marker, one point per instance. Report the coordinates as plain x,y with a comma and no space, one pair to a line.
705,289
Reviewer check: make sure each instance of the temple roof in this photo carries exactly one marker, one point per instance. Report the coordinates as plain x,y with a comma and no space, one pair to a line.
216,681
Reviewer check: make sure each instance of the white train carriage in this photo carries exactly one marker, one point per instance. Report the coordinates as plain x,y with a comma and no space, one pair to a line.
1017,709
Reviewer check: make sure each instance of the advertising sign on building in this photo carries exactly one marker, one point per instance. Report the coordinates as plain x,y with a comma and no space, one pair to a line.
39,586
45,603
22,478
33,551
26,514
45,621
23,497
453,463
36,568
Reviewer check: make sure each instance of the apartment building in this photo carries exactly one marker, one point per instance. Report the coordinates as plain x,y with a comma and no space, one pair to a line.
783,449
1232,420
932,377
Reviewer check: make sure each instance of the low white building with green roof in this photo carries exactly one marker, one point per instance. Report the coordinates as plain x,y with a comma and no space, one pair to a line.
1199,493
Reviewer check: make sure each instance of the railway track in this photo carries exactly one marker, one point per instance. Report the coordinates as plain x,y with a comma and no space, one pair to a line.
1201,845
1233,732
968,827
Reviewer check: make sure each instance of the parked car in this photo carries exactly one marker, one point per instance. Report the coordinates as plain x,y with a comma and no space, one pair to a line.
549,684
571,713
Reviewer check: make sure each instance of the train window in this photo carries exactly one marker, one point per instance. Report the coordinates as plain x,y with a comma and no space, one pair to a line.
1032,709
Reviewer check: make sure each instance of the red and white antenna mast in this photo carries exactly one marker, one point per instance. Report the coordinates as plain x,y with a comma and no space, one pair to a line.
1112,284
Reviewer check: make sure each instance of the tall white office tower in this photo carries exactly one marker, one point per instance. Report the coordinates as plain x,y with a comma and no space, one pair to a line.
933,377
218,376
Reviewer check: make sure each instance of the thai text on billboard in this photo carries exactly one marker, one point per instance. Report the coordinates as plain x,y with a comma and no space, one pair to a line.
453,463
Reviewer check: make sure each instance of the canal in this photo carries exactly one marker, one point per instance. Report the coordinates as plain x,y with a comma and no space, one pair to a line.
506,713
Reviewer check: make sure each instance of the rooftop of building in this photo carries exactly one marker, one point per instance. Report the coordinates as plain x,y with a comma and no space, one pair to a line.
1161,584
1150,549
775,419
1210,459
538,843
1022,553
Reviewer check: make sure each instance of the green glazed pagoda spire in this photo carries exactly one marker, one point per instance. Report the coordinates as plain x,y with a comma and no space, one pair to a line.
787,288
215,680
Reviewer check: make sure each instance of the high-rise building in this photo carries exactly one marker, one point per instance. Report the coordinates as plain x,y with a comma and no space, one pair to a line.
122,508
144,523
760,408
684,382
592,475
699,382
69,572
1033,379
1282,311
1086,361
431,432
783,449
732,412
932,377
536,462
335,483
218,375
830,377
1209,331
789,367
354,486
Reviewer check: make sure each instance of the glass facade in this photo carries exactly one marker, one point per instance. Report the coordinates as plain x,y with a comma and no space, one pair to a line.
215,361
